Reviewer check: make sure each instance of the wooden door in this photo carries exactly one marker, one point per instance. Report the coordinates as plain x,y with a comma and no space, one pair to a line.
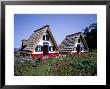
45,50
78,48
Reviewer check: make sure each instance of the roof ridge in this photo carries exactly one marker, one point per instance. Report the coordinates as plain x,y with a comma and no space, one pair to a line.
74,34
41,28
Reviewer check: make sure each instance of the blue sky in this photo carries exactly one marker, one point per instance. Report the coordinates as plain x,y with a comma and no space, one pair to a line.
60,25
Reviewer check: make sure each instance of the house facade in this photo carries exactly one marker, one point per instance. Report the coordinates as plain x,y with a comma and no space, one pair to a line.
40,43
74,43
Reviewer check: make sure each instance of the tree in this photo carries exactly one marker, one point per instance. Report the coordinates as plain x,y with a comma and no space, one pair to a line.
91,36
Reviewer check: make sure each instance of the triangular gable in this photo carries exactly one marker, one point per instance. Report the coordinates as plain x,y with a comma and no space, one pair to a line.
35,38
52,38
68,37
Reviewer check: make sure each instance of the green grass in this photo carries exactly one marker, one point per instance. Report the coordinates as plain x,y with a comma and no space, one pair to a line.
71,65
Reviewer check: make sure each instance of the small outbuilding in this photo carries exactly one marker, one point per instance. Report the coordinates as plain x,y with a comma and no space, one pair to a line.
74,43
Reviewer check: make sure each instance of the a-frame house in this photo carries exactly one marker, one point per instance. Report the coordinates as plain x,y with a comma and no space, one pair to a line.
74,43
40,43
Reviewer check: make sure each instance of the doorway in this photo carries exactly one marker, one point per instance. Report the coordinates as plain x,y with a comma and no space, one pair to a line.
78,48
45,49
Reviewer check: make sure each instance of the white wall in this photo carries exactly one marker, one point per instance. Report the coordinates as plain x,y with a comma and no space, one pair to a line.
81,45
41,43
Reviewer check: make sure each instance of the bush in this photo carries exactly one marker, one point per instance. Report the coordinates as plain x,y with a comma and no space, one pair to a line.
70,65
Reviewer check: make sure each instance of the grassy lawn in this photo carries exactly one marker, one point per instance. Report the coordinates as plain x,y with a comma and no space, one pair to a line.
71,65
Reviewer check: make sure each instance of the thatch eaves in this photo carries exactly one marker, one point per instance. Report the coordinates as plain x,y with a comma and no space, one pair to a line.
84,41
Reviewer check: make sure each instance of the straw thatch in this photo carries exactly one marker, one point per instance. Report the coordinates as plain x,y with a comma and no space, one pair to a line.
31,43
69,42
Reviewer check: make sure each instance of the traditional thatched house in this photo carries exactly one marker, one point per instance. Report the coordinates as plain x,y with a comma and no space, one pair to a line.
40,43
74,43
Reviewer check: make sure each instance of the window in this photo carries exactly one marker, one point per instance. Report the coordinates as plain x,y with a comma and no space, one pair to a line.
78,40
46,37
39,48
52,48
45,43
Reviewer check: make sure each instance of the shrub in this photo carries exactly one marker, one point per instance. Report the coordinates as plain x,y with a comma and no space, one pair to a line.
70,65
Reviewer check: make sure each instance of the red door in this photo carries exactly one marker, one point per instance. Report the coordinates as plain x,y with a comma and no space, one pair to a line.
45,50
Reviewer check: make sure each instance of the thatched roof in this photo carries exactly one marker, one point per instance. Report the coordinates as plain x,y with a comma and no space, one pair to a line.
34,39
74,34
84,41
69,41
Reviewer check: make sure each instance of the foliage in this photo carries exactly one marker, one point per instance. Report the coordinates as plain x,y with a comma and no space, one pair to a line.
91,36
71,65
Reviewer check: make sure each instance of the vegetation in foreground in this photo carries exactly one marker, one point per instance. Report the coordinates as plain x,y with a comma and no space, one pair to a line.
71,65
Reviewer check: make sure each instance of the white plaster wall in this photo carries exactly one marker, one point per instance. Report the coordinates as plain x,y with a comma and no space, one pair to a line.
81,45
41,43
